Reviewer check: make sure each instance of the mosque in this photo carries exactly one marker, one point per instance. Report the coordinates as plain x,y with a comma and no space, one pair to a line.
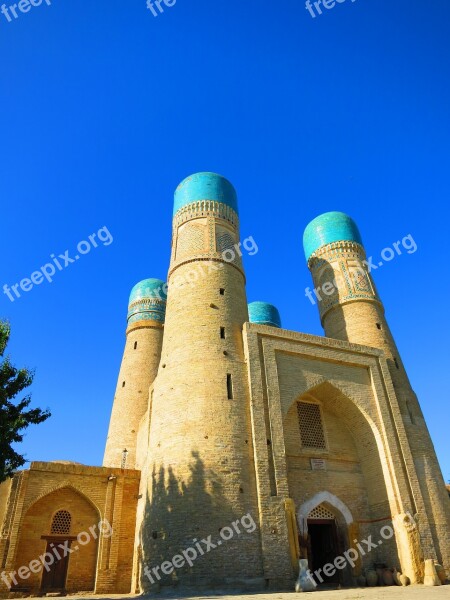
235,446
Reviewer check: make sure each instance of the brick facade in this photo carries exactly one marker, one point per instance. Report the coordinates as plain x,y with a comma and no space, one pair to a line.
99,561
211,410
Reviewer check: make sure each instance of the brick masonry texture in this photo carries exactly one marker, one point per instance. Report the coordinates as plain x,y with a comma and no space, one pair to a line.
89,494
138,370
201,473
362,320
206,406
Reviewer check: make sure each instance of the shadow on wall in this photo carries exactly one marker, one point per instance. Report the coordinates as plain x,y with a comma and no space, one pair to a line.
180,517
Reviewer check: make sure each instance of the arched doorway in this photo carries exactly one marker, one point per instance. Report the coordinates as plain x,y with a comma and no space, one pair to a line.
323,543
324,521
333,444
55,575
63,527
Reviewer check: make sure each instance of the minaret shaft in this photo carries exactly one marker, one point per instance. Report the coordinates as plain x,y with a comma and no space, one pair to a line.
138,370
200,434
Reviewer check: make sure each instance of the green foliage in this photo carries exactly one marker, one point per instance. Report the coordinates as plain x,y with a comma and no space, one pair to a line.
15,416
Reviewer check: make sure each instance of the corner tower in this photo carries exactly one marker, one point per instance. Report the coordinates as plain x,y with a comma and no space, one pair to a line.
144,335
351,309
201,476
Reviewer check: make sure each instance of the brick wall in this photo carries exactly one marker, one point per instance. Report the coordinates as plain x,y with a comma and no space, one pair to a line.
201,473
88,494
138,369
364,426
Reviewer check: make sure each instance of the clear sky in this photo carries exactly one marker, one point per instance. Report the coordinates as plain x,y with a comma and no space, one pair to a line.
106,108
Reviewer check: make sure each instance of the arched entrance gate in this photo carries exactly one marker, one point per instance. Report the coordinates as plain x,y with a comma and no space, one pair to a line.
324,521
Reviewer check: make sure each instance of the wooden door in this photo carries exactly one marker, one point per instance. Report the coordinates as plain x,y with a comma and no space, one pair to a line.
323,547
55,578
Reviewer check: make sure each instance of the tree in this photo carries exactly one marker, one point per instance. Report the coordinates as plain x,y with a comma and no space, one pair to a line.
14,416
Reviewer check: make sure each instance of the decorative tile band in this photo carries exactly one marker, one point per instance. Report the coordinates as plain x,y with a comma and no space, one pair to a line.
146,316
205,208
336,250
148,301
206,231
341,269
147,308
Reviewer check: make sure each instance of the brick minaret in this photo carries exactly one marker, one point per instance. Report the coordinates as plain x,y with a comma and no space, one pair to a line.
350,309
201,474
138,370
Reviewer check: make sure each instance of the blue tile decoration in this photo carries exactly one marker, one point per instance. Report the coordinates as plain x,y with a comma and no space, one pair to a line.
148,301
264,314
205,186
328,228
146,316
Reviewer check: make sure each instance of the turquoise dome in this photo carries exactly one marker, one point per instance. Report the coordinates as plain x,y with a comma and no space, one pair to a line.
205,186
328,228
148,301
264,314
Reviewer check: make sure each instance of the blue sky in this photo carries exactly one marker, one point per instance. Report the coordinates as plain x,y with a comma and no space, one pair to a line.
107,108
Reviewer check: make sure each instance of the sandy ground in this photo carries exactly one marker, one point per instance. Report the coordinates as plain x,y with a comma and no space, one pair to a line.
418,592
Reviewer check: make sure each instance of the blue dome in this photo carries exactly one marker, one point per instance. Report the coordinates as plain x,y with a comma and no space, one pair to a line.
205,186
264,314
148,301
328,228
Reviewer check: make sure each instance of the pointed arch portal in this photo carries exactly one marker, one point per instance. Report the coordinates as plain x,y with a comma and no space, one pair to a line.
328,498
323,522
55,520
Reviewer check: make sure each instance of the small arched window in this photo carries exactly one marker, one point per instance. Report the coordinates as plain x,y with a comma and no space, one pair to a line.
61,522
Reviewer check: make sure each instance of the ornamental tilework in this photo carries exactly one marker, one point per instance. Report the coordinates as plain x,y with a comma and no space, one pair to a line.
264,314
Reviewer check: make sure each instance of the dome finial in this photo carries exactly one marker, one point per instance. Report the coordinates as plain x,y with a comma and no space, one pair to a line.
148,301
264,313
205,186
328,228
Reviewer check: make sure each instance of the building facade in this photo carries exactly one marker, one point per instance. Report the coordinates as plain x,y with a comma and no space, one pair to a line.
236,447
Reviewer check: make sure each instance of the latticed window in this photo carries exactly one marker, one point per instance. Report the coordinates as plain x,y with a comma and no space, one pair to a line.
320,512
61,522
311,426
